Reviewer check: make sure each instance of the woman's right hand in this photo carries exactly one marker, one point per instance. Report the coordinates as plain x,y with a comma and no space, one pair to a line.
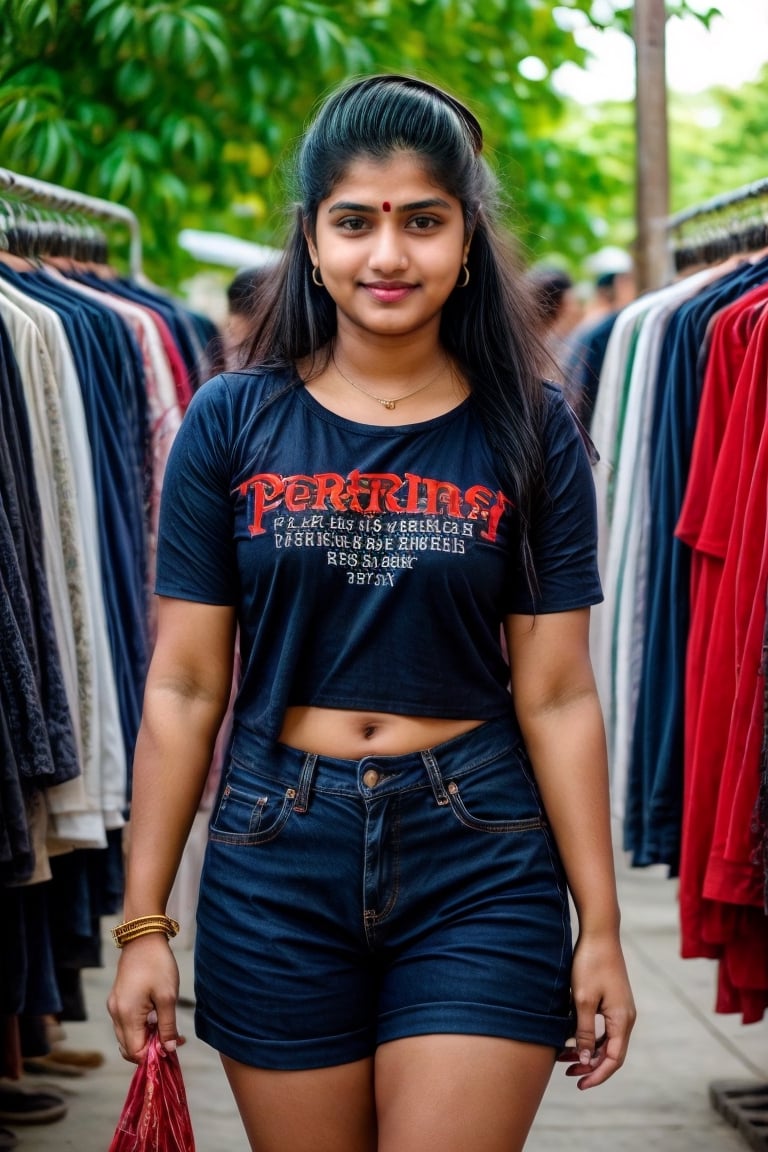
144,996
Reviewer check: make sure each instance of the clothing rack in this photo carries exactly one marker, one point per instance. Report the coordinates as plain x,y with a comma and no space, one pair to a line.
27,189
720,227
724,226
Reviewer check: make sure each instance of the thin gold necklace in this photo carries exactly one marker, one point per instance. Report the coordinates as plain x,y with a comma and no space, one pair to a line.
389,404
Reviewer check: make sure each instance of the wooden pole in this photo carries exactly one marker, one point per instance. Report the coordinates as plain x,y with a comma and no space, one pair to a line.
652,148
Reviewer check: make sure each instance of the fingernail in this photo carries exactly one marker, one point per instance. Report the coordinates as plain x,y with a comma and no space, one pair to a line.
585,1056
170,1045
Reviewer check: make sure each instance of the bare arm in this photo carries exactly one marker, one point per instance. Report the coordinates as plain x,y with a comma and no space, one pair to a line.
560,717
186,696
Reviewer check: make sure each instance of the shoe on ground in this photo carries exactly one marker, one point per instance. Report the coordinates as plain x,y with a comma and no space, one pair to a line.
19,1106
47,1066
76,1057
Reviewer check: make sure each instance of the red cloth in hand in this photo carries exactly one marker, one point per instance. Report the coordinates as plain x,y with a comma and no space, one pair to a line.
155,1116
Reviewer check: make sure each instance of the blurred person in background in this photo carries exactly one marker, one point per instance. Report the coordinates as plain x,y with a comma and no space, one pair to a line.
614,288
559,310
243,296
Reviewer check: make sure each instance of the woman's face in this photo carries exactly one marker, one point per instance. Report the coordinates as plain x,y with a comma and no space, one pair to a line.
389,246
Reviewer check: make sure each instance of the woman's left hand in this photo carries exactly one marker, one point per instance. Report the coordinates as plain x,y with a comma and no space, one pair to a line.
601,991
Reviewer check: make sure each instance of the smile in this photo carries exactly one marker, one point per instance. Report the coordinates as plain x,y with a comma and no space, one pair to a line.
389,293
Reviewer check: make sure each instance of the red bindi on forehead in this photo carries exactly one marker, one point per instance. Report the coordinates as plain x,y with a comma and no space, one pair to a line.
386,206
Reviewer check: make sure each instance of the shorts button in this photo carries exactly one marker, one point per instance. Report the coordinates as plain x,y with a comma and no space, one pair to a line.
371,778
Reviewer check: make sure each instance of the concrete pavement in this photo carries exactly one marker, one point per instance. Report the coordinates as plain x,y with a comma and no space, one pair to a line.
659,1100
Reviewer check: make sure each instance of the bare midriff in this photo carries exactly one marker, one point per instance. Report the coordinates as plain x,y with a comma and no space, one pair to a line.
351,735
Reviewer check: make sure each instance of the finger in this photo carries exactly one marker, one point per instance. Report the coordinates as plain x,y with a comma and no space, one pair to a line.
130,1028
126,1054
585,1034
136,1040
133,1033
609,1057
569,1054
167,1031
131,1041
603,1068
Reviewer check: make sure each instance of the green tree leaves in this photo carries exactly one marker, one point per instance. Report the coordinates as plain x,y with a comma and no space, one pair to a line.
183,111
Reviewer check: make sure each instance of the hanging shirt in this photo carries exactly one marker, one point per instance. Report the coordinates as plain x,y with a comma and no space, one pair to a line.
737,351
33,690
80,808
108,365
653,831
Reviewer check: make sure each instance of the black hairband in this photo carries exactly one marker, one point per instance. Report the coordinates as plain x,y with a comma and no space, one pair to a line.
470,122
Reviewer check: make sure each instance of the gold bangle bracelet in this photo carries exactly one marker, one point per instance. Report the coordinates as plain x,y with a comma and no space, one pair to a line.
141,926
121,943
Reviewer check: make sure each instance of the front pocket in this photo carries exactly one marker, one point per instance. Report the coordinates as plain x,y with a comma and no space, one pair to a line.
481,823
248,816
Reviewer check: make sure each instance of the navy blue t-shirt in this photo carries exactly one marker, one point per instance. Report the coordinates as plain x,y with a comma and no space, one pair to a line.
371,566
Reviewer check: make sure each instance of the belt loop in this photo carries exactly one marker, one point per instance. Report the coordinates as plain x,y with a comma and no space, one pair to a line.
301,803
435,778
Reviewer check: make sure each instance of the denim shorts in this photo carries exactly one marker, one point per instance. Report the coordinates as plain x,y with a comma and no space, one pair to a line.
347,903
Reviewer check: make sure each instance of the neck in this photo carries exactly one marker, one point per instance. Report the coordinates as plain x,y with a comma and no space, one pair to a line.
389,365
392,398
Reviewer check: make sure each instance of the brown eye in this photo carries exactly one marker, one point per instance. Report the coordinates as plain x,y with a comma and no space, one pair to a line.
423,223
352,224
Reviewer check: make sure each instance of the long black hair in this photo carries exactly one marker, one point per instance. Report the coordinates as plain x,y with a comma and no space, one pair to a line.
489,326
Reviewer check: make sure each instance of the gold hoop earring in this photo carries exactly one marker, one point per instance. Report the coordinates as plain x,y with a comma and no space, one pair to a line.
315,277
465,281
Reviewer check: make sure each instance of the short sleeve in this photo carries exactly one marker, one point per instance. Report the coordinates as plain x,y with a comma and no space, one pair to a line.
196,552
563,523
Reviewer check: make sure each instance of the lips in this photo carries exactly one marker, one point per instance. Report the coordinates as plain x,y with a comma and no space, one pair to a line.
389,291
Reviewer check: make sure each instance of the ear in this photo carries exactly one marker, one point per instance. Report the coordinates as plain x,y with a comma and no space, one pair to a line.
468,240
311,246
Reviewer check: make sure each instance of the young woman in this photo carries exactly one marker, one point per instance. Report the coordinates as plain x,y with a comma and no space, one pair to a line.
383,953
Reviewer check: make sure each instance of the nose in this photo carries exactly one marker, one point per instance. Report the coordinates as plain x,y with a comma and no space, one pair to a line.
387,253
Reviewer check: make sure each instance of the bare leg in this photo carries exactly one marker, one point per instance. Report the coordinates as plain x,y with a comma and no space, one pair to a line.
320,1110
459,1093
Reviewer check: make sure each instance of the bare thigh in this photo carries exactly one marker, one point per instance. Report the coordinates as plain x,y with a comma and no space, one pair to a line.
320,1110
458,1093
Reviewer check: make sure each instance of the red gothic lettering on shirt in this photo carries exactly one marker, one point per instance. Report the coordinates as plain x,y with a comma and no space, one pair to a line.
266,491
372,493
486,506
433,496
